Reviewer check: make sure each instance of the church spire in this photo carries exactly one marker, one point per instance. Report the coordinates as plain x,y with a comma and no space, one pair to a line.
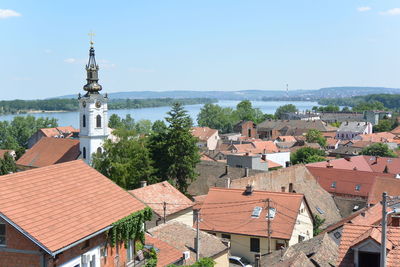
92,86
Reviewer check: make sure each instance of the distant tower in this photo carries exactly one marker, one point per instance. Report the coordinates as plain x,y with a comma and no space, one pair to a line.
287,90
92,112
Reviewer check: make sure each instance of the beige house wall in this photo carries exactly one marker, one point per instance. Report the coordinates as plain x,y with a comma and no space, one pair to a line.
183,216
303,226
213,141
222,260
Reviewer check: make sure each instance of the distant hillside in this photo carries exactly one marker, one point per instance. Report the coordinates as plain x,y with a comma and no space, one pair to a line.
329,92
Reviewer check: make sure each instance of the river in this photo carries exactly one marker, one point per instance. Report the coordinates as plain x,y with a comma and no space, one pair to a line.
158,113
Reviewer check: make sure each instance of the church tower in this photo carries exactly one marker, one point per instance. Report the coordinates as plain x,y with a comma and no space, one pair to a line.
92,112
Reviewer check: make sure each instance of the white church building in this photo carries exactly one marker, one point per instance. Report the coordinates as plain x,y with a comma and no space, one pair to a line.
93,118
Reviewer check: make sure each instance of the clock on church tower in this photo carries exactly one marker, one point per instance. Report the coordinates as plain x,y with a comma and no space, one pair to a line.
92,112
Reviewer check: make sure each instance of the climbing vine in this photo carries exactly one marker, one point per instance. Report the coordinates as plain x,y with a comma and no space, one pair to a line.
129,228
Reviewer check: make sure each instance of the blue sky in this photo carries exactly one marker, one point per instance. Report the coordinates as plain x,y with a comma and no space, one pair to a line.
197,45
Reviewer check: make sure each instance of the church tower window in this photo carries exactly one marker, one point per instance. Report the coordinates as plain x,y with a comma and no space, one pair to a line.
98,121
84,121
84,152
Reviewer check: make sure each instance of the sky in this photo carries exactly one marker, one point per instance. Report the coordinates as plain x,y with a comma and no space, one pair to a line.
197,45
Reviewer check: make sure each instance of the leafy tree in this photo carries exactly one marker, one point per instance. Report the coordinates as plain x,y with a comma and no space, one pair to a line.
336,124
346,109
384,126
245,112
115,122
378,150
318,222
364,106
174,149
143,127
216,117
315,136
329,108
126,162
203,262
285,109
307,155
7,164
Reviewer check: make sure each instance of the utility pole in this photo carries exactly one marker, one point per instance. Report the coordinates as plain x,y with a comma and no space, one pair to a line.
197,235
384,224
165,210
269,226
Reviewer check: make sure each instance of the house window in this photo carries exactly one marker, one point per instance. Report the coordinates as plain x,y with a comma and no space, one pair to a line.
84,121
99,150
301,238
283,189
98,121
249,132
358,187
337,235
290,188
2,233
226,236
84,152
333,185
254,245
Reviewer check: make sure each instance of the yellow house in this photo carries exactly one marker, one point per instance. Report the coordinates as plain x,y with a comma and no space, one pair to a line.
243,217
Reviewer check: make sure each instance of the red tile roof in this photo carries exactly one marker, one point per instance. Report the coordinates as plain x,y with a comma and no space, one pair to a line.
256,147
63,203
376,137
156,194
203,133
229,210
383,184
63,130
353,234
287,138
50,151
167,254
396,130
362,163
346,180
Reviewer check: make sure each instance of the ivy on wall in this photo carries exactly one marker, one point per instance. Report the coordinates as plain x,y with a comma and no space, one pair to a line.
129,228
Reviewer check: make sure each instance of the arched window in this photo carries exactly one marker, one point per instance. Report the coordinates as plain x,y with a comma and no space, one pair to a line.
98,121
249,132
99,150
84,121
84,152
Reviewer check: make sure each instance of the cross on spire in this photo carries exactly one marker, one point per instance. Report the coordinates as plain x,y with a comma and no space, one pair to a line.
91,34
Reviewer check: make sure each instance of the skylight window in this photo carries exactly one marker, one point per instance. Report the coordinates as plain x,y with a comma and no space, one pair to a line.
358,187
272,213
256,212
319,210
333,185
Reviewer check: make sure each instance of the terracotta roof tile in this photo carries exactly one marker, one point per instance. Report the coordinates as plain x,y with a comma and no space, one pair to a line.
203,133
354,234
50,151
167,254
376,137
346,181
66,131
229,210
156,194
63,203
287,138
383,184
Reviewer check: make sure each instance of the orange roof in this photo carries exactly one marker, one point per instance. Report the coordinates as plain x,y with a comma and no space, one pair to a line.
346,182
229,210
156,194
383,184
203,133
396,130
376,137
60,204
331,141
273,164
167,254
354,234
50,151
52,132
362,163
256,147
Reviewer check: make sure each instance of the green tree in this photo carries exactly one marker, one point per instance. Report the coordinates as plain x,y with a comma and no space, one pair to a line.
378,150
126,162
315,136
216,117
372,105
307,155
285,109
318,222
7,164
174,149
115,122
384,126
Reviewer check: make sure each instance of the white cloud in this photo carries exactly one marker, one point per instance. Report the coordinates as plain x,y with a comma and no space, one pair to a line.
363,8
8,13
391,12
70,60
